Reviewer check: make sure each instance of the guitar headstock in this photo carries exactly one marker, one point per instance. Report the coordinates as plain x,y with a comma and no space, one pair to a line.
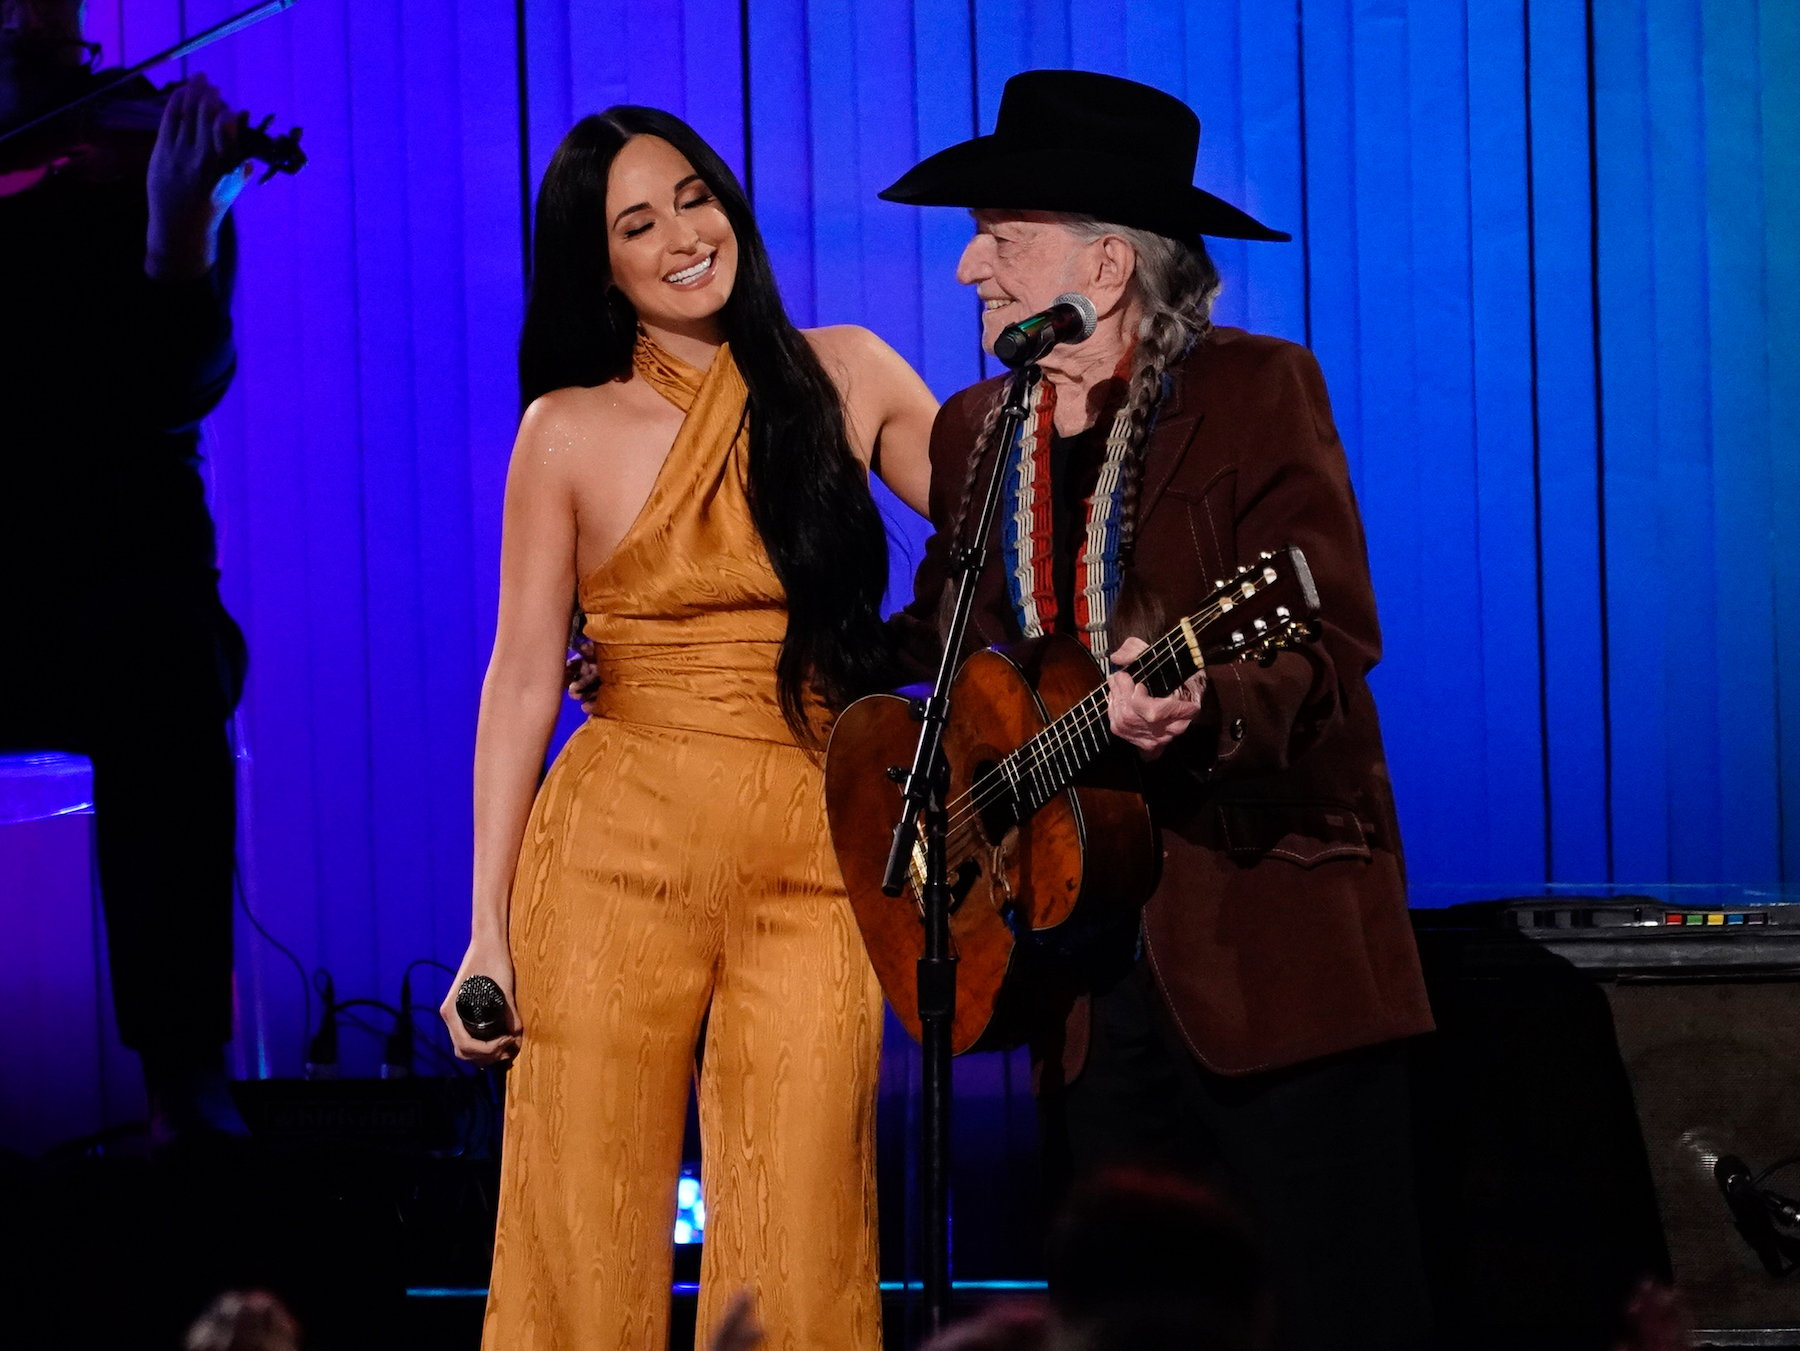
1262,640
1264,608
1269,606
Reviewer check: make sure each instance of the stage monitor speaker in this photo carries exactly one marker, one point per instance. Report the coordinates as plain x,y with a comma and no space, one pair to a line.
1595,1061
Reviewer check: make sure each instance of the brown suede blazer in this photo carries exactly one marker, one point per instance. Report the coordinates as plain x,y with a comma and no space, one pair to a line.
1278,930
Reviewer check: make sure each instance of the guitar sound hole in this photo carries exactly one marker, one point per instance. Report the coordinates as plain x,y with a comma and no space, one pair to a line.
997,809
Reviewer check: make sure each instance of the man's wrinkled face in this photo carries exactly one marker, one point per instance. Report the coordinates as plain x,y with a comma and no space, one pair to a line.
1018,262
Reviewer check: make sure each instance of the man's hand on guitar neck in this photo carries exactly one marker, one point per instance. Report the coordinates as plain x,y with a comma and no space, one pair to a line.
1138,716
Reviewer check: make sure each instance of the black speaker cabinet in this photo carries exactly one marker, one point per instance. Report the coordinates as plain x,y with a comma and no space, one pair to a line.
1594,1063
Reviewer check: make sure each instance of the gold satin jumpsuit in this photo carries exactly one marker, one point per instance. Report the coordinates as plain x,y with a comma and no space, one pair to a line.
677,867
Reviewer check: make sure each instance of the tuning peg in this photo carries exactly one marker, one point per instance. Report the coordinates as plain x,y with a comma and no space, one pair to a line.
1282,612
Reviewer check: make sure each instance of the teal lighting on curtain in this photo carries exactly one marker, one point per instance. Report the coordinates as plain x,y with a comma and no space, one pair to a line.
690,1209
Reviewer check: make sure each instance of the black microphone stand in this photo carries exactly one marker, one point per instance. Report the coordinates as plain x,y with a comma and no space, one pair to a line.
924,796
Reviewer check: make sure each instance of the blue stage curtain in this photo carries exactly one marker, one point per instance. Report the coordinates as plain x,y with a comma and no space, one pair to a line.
1543,251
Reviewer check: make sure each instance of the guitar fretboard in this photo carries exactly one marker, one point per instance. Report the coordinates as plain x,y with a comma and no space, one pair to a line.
1042,767
1050,761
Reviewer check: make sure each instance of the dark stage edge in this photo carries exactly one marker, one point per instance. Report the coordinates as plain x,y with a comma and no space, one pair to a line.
451,1319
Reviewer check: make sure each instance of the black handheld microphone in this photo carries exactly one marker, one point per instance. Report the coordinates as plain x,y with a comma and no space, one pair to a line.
1749,1208
482,1007
1070,318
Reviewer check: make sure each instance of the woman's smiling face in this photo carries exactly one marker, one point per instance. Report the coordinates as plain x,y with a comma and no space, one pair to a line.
672,250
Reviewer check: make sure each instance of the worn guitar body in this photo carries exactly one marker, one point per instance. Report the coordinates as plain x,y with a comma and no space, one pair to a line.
1079,861
1049,844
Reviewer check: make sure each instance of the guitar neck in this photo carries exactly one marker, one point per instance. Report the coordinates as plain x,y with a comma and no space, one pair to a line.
1046,764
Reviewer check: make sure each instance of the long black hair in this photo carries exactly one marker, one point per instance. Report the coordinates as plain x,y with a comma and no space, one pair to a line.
809,496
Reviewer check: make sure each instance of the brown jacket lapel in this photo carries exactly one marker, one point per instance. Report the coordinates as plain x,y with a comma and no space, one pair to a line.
1176,423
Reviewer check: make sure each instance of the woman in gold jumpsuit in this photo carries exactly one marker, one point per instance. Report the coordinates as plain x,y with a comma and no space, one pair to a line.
696,469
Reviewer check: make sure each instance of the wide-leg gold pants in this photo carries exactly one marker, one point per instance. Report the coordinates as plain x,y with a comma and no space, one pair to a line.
667,877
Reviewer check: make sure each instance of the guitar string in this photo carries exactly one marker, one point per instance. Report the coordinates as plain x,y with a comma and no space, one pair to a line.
1090,710
1066,737
1035,753
1060,740
1086,715
1083,716
1057,739
1063,744
1066,733
1090,713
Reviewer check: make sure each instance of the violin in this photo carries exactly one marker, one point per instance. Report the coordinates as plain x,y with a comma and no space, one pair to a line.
109,139
106,133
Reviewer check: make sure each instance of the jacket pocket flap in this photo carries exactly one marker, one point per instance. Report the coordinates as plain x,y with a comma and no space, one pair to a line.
1300,832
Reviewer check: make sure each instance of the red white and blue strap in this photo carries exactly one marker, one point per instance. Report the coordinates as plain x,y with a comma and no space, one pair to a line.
1097,565
1028,534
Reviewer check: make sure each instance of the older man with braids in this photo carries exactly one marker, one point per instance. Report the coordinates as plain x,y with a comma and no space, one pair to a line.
1247,1029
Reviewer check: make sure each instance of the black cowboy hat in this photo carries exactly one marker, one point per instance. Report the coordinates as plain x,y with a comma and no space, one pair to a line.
1096,145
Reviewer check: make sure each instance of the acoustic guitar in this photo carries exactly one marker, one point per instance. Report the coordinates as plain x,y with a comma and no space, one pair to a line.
1050,843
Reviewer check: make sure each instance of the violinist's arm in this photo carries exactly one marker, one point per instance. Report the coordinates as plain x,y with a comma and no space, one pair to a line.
191,183
179,352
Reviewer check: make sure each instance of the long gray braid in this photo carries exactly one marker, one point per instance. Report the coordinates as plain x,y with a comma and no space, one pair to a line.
1175,284
983,440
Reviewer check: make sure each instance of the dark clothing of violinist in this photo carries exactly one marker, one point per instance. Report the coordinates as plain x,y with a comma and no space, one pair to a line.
106,546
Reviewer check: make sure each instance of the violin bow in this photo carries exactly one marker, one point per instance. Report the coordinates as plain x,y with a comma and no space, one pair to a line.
186,47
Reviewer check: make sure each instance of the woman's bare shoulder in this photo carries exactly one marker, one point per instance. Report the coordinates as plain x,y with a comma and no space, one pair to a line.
582,417
852,346
860,361
578,406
